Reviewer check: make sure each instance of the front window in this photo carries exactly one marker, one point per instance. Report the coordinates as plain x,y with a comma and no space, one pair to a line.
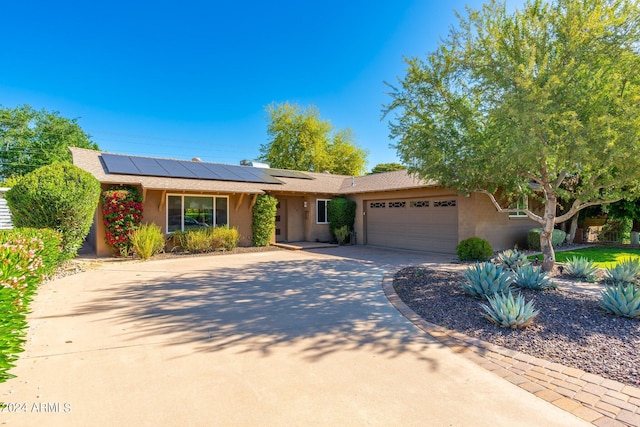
192,212
321,211
522,203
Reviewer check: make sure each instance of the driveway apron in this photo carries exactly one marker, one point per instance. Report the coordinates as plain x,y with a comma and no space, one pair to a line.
276,338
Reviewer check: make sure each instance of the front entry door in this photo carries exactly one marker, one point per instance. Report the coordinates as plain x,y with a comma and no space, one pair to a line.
281,221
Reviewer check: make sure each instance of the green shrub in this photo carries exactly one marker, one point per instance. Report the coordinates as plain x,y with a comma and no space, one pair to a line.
474,248
621,301
225,238
509,312
341,212
59,196
264,220
581,268
616,230
512,259
485,279
147,240
197,240
531,277
342,234
533,238
206,239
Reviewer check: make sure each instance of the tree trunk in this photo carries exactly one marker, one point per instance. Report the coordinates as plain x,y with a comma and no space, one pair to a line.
548,254
571,236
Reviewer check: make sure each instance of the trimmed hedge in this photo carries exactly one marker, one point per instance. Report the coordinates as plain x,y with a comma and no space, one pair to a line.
533,238
59,196
264,220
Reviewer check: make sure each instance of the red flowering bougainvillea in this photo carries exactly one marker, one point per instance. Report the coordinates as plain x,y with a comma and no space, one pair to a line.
122,212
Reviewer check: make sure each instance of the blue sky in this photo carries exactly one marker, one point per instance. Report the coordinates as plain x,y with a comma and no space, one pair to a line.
192,79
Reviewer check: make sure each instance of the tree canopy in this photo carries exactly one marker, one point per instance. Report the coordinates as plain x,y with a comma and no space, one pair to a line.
543,102
31,139
387,167
301,140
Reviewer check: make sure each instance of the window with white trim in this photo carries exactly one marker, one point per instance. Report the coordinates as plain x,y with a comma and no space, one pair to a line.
186,212
321,211
522,203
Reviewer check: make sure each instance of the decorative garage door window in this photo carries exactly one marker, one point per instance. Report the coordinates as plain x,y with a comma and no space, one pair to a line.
377,204
444,203
397,204
419,204
186,212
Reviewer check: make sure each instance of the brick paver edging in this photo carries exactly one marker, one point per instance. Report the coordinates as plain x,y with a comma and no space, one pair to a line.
598,400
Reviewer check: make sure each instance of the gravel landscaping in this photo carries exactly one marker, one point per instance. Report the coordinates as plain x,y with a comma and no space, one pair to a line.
571,329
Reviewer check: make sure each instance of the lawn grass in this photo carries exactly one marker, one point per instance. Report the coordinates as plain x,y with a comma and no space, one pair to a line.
602,256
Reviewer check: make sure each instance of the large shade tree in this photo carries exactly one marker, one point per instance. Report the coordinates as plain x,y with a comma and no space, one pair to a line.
301,140
30,139
542,102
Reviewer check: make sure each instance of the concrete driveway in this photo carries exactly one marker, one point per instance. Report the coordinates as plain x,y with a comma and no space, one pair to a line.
275,338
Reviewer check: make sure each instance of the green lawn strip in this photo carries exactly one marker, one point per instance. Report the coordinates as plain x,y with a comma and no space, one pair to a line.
602,256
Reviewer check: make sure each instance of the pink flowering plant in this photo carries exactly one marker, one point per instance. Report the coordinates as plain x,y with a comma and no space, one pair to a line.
122,213
24,255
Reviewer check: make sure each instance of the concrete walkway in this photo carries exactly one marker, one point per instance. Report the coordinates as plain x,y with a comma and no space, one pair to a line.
275,338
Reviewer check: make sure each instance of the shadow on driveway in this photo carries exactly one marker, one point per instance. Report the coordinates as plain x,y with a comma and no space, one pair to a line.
327,305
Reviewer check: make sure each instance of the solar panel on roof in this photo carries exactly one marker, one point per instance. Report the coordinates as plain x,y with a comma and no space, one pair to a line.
146,166
200,170
175,169
119,164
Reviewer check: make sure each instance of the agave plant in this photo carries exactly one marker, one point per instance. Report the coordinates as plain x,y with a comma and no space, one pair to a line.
484,279
532,277
509,312
621,300
626,272
581,268
511,259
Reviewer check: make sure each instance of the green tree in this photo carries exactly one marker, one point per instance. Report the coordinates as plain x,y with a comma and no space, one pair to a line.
386,167
301,140
517,104
30,139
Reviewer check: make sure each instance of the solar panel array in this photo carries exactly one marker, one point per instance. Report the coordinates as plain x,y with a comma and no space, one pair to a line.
146,166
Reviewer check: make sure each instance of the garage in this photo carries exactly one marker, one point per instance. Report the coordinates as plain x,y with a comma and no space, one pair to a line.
425,224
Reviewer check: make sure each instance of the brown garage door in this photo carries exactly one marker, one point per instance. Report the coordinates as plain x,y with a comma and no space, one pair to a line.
428,224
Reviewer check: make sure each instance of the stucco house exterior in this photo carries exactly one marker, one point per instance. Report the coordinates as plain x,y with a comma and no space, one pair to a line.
394,209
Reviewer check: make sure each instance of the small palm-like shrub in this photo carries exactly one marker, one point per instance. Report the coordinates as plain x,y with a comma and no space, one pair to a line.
532,277
512,259
225,238
474,248
509,312
626,272
581,268
484,279
206,239
621,301
147,240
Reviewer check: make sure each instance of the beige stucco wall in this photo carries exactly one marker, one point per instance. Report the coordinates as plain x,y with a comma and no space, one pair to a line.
478,217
